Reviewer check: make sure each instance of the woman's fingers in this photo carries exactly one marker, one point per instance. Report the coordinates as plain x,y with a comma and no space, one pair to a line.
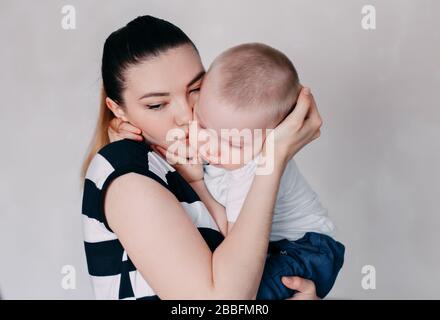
126,126
301,114
308,110
299,128
129,135
112,130
114,124
119,129
313,116
312,121
172,158
302,108
317,135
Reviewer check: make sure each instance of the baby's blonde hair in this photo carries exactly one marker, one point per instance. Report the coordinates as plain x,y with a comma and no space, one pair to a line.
255,75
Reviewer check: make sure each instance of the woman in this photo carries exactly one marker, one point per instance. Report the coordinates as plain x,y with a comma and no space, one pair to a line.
144,225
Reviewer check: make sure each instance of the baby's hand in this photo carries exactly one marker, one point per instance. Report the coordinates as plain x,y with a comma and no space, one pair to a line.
119,129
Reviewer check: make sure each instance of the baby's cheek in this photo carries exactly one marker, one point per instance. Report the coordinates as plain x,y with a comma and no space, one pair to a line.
209,151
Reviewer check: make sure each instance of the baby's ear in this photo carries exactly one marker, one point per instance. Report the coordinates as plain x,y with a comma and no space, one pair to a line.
117,110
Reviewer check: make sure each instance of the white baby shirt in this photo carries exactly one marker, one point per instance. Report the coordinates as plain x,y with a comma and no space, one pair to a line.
297,208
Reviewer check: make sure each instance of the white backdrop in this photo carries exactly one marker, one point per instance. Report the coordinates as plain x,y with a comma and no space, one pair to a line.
375,167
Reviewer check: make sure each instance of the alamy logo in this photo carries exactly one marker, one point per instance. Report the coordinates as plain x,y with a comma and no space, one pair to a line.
231,146
68,282
369,279
68,21
368,21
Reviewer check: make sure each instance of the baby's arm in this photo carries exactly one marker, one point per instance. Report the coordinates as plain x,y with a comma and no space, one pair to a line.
216,210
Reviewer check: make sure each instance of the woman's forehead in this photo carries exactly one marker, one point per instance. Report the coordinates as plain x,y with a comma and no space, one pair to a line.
169,71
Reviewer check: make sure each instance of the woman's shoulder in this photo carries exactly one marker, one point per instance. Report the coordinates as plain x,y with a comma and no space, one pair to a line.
125,156
125,153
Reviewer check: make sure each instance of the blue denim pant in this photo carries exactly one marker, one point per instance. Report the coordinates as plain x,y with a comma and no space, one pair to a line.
315,256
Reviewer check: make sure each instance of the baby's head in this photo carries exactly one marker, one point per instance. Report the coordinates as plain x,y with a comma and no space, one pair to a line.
250,86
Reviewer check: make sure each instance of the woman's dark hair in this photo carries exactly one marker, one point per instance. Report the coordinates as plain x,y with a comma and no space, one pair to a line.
140,39
144,37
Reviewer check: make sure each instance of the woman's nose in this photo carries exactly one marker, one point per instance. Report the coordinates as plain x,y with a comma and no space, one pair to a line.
183,114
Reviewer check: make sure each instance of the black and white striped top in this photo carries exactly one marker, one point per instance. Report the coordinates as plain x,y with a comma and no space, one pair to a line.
113,274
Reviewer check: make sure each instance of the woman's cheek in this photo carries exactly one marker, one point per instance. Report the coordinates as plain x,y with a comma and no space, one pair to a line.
153,131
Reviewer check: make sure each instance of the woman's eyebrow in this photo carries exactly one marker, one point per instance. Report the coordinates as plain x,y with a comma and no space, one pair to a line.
196,78
154,94
165,94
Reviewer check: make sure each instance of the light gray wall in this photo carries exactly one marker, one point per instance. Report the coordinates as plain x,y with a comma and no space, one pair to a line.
375,167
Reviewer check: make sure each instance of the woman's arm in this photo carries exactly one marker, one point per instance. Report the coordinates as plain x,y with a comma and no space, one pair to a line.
168,250
194,175
217,211
171,254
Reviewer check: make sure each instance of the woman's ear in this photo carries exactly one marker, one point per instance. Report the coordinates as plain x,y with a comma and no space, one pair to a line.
117,110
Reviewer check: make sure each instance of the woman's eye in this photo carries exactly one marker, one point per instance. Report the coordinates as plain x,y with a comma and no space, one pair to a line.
155,106
194,90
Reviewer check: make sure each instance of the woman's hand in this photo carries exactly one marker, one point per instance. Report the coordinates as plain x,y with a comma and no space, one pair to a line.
120,129
188,164
299,128
306,288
